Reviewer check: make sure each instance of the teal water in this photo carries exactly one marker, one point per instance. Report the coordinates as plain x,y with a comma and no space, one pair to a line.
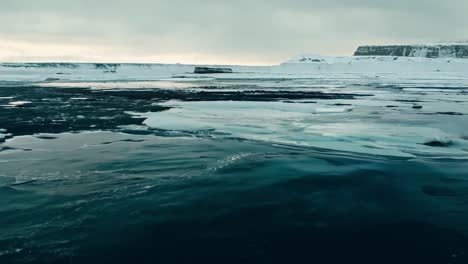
123,198
234,172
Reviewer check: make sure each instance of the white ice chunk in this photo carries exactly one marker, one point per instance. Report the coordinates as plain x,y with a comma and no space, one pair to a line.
19,103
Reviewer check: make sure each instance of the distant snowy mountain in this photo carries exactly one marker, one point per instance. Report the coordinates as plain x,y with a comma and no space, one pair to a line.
455,50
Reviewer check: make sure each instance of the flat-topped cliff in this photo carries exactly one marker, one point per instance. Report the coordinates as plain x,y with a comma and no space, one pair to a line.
428,51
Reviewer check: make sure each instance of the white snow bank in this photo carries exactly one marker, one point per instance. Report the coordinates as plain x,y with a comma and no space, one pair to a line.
376,64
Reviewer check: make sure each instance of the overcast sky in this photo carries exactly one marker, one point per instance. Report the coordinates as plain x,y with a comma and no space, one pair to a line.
217,31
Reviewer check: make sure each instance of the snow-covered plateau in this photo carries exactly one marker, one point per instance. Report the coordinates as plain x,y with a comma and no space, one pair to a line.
451,50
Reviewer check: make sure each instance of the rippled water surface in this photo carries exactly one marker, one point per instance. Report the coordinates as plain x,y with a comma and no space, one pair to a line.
234,172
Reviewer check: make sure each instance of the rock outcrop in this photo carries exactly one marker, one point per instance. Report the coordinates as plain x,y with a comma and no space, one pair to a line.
206,70
427,51
107,67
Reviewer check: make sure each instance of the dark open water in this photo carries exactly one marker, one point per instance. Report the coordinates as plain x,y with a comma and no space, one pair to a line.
115,196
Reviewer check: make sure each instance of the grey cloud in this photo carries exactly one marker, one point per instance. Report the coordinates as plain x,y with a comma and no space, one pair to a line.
269,30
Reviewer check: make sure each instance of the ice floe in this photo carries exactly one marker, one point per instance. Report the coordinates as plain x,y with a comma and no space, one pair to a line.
386,133
19,103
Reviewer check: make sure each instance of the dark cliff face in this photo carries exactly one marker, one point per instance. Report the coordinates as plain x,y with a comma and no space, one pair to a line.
428,51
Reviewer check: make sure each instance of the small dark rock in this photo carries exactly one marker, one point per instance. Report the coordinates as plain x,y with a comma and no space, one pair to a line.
340,104
52,79
439,143
449,113
417,107
107,66
310,60
47,137
408,101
